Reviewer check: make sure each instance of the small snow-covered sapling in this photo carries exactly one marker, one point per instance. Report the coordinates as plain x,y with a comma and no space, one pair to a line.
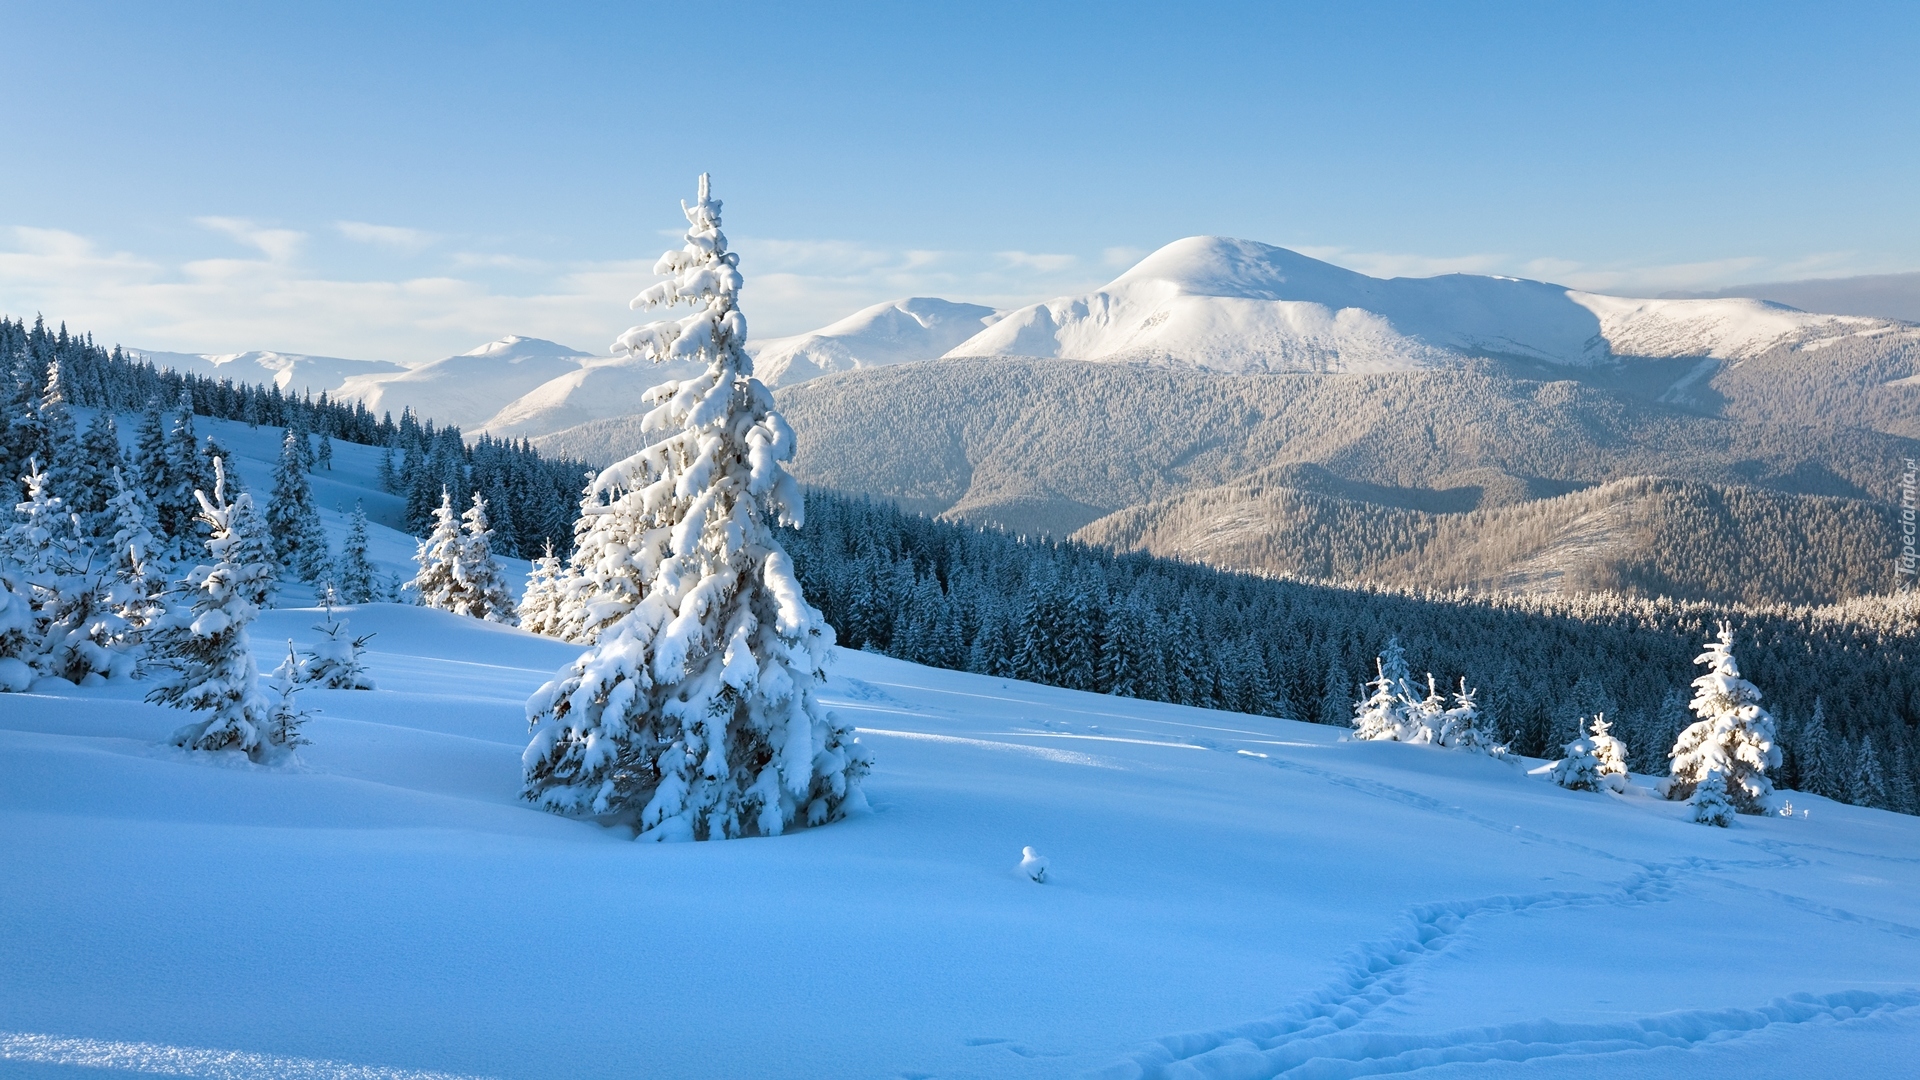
1033,864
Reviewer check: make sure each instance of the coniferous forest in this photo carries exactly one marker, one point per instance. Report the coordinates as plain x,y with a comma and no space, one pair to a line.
1068,614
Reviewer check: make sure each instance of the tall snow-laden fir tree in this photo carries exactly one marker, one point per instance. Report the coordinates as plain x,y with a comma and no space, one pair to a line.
359,583
190,472
204,640
694,715
1733,736
298,540
483,582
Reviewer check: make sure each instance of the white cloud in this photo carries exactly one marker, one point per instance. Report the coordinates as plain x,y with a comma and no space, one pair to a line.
280,245
1038,261
397,237
1122,257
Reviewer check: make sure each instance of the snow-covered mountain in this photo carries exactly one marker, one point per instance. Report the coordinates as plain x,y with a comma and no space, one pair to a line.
595,388
296,372
1240,306
467,389
916,328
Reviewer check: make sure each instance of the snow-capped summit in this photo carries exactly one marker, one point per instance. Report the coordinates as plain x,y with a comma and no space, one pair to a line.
916,328
295,372
1241,306
466,389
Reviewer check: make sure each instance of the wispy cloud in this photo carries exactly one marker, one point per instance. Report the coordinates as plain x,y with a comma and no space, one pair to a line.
280,245
1038,261
397,237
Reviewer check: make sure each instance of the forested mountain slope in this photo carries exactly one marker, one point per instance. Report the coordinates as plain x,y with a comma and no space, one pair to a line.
1051,445
1643,535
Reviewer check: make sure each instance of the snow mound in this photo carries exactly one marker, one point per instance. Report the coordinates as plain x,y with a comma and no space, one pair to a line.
894,332
1243,307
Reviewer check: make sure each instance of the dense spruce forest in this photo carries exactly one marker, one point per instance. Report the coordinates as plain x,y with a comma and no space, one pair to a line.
536,498
1074,615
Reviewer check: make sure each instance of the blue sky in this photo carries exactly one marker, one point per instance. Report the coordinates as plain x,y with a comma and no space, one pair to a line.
403,181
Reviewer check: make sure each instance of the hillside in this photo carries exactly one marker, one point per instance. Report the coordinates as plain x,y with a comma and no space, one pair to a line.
1653,537
893,332
295,372
465,390
1231,896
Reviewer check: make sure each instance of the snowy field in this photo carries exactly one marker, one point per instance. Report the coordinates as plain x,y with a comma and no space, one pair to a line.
1230,897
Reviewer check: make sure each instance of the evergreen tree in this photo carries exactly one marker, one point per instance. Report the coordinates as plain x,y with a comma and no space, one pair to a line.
1710,803
1611,754
358,581
437,584
1869,782
695,715
1734,736
324,456
61,441
285,718
1823,769
540,604
203,642
1579,767
336,662
96,484
484,582
298,540
1382,715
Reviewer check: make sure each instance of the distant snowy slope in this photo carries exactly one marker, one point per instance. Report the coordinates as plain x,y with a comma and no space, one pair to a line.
465,390
917,328
1240,306
594,389
296,372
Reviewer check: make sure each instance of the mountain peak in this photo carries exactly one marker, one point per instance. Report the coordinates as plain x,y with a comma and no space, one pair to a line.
515,348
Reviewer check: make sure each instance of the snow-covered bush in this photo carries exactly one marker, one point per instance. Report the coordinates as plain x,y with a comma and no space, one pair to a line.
334,662
202,639
1733,737
694,715
1710,803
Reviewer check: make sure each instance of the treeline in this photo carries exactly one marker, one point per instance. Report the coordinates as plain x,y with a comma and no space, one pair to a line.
535,498
1082,617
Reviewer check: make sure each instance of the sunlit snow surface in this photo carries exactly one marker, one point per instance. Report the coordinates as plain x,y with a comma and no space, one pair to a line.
1228,897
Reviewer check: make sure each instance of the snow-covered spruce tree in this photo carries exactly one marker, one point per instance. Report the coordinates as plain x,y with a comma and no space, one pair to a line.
358,582
540,603
1464,727
435,584
1383,713
100,462
1594,761
298,541
334,662
203,641
487,595
694,714
134,556
285,717
1710,803
1610,753
1734,735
